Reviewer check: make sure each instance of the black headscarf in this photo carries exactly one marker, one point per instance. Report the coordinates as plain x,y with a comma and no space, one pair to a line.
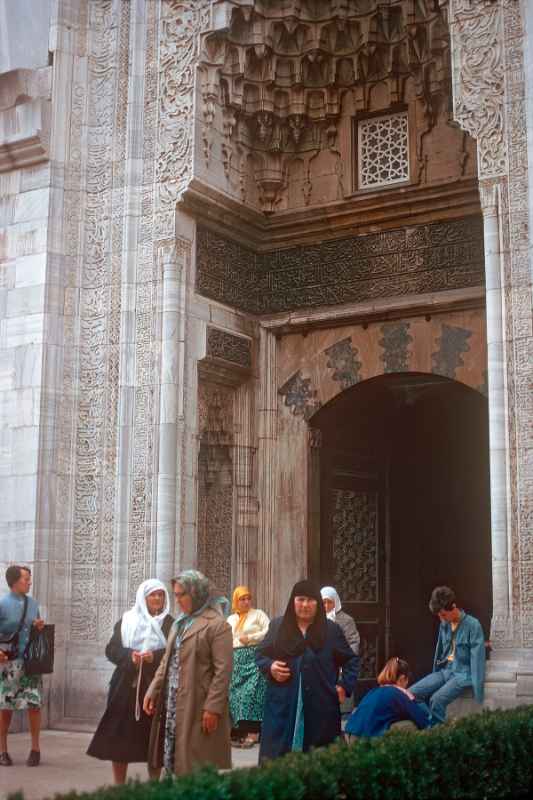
290,641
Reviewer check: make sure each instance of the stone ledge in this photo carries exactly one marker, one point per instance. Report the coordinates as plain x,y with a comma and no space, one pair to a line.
24,152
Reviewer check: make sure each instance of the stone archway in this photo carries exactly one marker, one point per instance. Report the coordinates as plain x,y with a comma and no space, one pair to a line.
403,505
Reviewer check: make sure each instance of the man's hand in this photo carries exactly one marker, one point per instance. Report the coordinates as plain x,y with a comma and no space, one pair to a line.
243,639
341,694
39,624
209,722
280,671
148,656
3,657
148,706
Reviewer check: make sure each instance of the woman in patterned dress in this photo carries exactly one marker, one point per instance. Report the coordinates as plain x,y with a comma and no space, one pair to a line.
18,691
189,693
248,686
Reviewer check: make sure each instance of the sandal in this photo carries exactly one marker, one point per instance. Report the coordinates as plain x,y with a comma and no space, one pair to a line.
34,758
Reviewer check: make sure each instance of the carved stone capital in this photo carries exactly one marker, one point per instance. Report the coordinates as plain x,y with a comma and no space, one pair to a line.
476,29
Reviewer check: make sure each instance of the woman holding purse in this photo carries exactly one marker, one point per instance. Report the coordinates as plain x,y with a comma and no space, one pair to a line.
18,614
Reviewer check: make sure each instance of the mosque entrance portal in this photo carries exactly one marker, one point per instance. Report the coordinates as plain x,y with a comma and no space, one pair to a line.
404,506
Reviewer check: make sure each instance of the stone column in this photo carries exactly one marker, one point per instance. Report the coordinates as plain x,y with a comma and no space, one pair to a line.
171,363
502,619
488,40
267,405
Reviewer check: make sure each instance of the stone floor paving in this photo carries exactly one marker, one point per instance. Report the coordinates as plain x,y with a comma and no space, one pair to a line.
65,766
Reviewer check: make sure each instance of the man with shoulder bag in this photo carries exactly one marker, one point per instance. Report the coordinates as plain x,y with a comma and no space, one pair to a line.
19,614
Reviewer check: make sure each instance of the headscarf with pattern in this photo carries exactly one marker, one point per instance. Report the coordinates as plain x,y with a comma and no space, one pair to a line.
203,594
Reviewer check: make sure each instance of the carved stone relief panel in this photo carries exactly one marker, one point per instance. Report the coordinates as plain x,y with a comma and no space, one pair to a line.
181,23
92,540
411,260
478,79
215,484
229,347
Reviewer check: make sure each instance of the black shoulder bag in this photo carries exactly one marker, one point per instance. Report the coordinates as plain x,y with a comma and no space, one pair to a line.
10,646
39,652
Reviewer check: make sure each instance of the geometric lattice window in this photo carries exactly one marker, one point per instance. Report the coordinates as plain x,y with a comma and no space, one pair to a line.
383,150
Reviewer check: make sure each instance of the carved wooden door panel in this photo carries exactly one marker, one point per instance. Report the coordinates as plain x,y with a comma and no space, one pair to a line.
353,550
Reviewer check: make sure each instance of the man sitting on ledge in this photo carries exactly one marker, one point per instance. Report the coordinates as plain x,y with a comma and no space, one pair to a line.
459,657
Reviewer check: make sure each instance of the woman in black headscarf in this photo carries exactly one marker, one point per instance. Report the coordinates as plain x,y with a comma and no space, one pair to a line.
301,657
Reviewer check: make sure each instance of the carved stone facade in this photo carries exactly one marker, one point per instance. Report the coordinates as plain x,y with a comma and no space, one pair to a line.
197,254
275,78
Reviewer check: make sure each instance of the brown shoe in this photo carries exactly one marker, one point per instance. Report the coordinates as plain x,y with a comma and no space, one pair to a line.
34,758
5,760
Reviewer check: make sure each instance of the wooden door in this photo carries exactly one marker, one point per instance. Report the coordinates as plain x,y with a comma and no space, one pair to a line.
353,546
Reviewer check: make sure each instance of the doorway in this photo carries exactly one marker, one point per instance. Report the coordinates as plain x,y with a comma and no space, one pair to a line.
404,507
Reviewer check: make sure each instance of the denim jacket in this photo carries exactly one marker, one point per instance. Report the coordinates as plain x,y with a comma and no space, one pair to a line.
469,661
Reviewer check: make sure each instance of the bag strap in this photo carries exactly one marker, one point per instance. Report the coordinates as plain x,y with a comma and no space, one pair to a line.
21,623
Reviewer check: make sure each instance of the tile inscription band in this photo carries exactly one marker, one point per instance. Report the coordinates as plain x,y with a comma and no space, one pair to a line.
411,260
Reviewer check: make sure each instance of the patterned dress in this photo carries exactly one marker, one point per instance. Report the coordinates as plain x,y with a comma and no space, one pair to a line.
18,691
248,686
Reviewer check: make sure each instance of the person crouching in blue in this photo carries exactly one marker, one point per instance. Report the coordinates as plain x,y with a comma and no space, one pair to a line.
459,656
301,657
388,703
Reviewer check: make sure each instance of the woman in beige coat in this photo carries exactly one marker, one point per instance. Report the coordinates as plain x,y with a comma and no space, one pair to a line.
189,693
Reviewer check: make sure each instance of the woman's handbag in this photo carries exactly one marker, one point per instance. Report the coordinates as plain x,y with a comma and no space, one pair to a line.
39,653
10,646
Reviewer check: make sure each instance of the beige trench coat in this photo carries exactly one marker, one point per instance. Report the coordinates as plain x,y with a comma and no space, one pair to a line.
206,662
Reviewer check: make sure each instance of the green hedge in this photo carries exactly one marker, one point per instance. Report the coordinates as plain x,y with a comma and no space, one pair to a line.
489,755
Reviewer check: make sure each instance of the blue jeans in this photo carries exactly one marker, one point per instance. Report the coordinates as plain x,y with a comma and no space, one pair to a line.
439,689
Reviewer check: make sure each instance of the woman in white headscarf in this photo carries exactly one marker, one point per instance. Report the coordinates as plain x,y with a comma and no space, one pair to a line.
333,608
136,648
334,612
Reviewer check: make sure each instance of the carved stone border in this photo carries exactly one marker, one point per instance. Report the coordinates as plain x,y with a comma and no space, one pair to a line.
228,357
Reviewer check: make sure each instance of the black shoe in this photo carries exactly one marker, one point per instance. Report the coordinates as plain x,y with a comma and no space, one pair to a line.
34,758
5,760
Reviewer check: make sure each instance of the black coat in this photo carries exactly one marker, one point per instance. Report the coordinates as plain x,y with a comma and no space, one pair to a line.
319,672
119,737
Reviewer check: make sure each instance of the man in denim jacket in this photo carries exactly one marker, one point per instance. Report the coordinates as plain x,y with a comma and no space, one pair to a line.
459,656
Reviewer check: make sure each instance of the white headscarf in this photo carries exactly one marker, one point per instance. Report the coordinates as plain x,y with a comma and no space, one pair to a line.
329,593
139,630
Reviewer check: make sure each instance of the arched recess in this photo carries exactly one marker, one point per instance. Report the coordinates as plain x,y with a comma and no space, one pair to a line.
400,502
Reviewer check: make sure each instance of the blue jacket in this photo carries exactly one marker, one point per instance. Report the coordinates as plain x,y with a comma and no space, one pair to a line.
383,706
11,606
320,675
469,661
